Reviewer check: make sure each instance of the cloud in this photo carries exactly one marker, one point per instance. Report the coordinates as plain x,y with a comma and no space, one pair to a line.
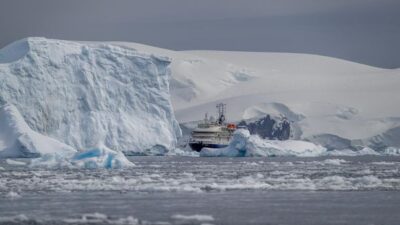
365,31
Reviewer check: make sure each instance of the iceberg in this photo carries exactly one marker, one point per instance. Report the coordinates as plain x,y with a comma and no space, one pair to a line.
101,158
392,151
98,158
15,163
349,152
80,96
245,145
17,140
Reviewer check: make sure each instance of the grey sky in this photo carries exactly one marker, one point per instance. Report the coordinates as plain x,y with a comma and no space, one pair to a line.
366,31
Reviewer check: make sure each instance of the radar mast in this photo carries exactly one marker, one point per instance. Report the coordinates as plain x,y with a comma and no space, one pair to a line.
221,107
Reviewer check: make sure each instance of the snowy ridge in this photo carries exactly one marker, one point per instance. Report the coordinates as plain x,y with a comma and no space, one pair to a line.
196,78
90,95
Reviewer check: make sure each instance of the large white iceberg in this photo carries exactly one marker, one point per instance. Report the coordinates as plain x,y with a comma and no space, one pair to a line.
244,144
86,95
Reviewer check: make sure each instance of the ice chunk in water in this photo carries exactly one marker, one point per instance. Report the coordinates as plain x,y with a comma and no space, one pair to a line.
15,163
244,144
13,195
101,158
90,159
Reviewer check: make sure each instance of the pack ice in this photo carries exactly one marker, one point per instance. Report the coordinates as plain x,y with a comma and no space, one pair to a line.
59,96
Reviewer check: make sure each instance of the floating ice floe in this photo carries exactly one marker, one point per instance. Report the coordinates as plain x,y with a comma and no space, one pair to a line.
161,151
391,151
15,162
335,162
193,218
101,158
90,159
244,144
13,195
87,218
99,218
348,152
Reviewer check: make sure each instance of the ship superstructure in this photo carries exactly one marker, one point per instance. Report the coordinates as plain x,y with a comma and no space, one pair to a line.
212,133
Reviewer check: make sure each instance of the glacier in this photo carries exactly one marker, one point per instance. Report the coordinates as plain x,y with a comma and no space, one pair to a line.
84,96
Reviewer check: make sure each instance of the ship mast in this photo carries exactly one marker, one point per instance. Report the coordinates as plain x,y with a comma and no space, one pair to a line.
221,107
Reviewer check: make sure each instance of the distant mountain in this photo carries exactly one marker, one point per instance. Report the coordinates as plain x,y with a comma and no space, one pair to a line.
327,99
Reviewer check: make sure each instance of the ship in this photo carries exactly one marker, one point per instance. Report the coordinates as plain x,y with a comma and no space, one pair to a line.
211,133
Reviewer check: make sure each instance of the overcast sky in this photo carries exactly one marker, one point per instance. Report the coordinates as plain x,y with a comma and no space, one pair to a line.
366,31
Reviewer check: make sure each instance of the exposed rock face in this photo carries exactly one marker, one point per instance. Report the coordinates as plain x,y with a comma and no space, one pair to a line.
269,128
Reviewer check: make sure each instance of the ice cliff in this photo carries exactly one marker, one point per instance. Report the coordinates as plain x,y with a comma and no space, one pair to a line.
86,95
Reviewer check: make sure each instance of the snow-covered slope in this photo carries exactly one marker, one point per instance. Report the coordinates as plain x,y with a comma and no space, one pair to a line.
334,98
196,79
90,95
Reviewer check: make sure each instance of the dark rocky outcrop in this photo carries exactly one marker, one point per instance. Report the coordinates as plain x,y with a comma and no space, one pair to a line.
269,128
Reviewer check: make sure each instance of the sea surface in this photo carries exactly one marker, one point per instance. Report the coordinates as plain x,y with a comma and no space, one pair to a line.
195,190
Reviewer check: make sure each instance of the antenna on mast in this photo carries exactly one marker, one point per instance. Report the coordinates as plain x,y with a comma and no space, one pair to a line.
221,112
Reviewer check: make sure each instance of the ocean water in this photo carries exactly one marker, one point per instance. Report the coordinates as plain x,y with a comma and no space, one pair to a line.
193,190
